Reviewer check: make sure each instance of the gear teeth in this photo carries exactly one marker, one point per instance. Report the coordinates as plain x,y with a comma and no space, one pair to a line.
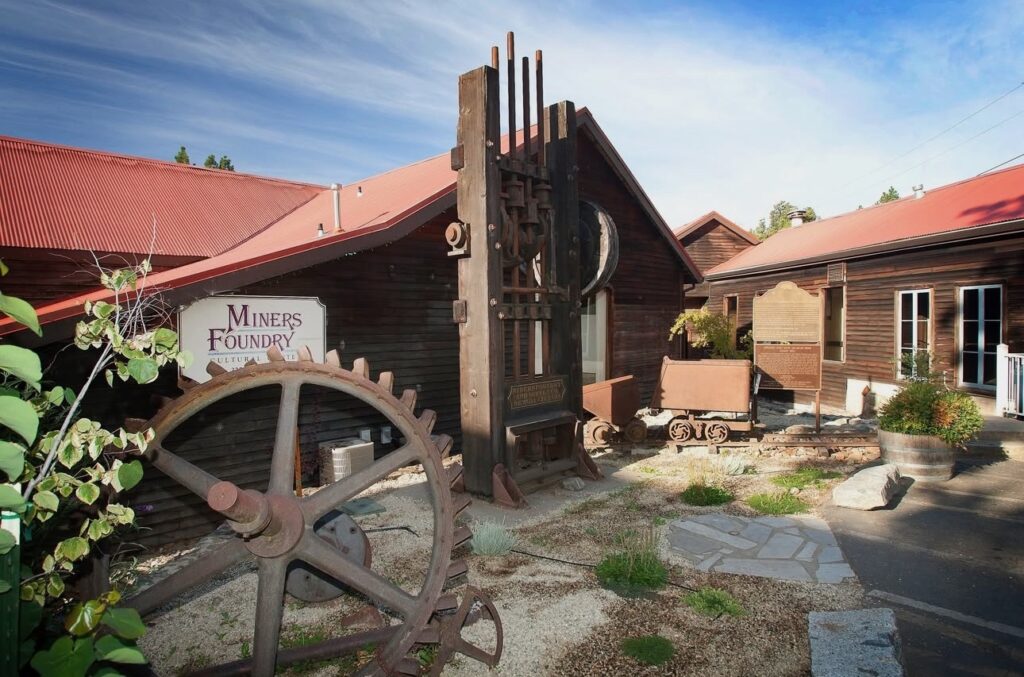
408,398
251,363
446,604
361,367
214,369
428,417
134,425
386,380
444,445
305,355
274,354
463,535
462,501
333,358
186,384
457,568
408,666
454,474
430,634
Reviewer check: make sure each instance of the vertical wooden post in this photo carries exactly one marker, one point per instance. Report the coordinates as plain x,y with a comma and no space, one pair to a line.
817,411
481,348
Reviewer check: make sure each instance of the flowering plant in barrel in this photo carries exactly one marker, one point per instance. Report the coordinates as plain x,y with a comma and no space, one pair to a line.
921,426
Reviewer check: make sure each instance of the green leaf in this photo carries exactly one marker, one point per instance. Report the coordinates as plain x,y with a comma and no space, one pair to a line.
19,416
99,528
103,310
143,369
74,548
70,453
22,363
10,498
12,459
7,542
114,649
166,338
129,474
47,500
20,311
3,268
84,617
87,493
55,396
126,623
54,585
67,657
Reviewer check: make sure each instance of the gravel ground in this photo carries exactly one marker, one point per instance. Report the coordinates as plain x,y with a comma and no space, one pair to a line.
557,618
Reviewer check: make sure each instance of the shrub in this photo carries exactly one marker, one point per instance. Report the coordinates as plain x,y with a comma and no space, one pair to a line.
491,539
924,407
649,650
713,602
714,331
777,504
635,568
803,477
703,494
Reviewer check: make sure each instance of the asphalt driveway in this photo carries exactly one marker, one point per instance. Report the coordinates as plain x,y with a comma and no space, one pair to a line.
949,559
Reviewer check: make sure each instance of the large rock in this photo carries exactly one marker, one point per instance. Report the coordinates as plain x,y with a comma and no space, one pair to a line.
868,489
848,643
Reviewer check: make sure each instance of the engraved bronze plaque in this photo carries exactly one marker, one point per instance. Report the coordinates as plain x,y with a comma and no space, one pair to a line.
789,367
787,314
536,392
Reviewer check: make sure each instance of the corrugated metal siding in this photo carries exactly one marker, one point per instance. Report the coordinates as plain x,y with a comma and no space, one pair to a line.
56,197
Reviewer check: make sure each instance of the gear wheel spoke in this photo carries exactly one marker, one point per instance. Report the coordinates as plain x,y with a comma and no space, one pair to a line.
190,476
334,495
269,608
315,551
282,463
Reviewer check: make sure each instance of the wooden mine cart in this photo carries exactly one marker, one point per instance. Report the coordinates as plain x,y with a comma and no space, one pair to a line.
614,404
709,389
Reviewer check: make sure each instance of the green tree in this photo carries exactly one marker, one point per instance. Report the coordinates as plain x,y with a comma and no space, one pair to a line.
225,163
182,156
210,162
778,219
888,196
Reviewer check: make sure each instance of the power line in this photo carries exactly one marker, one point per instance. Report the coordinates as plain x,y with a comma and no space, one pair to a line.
932,138
1016,157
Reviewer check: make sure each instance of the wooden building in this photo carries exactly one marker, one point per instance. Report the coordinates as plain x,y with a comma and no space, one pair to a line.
711,240
381,270
940,272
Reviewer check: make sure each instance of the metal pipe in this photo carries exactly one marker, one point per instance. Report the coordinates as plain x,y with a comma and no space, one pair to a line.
511,56
494,57
539,58
526,108
335,189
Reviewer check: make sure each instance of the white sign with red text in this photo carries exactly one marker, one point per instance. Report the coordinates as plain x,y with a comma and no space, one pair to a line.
232,330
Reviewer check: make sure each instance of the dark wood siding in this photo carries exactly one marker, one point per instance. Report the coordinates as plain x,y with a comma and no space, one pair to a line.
871,288
712,244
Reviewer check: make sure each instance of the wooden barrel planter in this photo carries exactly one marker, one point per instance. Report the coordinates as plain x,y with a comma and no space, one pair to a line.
926,458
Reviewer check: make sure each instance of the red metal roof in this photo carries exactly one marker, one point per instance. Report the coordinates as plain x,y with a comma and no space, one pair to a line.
59,197
957,210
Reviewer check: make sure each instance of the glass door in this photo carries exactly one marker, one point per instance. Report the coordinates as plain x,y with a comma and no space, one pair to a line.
981,330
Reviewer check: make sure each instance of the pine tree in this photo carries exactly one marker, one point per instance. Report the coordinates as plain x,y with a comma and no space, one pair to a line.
778,219
225,163
210,162
888,196
182,156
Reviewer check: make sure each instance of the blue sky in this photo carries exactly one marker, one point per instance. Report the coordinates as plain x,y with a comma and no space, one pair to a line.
726,105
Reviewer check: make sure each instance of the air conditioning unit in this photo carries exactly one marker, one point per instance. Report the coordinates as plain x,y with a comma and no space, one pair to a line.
341,458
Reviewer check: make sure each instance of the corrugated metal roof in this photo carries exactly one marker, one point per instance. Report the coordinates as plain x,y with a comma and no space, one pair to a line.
985,200
59,197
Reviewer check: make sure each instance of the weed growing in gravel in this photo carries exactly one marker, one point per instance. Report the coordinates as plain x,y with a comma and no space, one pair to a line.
713,602
635,568
649,650
803,477
777,504
703,494
493,539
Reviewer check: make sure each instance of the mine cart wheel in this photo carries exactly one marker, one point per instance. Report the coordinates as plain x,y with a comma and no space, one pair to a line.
717,433
680,429
276,528
635,431
599,433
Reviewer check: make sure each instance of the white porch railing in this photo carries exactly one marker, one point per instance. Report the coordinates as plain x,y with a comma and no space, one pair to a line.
1009,382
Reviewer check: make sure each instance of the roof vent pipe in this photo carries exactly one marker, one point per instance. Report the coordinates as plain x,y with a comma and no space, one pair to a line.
796,217
335,188
919,190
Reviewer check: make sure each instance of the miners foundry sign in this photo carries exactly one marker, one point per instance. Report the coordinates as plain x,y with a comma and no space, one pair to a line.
232,330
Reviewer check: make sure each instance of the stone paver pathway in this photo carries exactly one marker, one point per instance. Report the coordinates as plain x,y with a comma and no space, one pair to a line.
795,548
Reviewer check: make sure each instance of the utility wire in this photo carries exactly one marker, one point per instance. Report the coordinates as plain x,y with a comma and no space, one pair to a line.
932,138
1017,157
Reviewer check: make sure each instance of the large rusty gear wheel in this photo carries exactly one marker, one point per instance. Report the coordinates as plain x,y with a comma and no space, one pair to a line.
276,527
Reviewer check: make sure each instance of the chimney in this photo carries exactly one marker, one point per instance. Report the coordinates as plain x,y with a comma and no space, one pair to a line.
335,188
796,217
919,191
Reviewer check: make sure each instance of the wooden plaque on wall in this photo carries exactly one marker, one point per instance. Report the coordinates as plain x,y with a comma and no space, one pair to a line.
787,314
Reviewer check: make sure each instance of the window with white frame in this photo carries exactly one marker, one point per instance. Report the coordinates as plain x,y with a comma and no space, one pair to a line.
981,330
913,330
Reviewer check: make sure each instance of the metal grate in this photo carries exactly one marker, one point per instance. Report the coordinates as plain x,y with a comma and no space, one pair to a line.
836,272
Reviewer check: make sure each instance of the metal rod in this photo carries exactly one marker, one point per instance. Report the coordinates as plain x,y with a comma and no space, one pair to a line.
511,56
538,57
526,108
494,57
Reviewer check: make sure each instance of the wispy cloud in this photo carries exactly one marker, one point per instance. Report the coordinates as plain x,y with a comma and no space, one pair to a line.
713,106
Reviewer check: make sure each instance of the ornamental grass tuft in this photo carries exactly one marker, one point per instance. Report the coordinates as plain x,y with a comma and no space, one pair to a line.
777,504
649,650
713,602
634,569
